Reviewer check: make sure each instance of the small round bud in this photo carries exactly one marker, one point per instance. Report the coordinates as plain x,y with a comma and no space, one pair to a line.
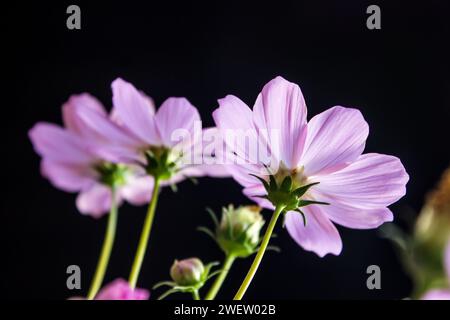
239,230
187,272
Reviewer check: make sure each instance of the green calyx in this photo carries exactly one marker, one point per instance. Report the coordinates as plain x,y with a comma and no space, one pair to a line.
286,195
112,174
159,163
188,276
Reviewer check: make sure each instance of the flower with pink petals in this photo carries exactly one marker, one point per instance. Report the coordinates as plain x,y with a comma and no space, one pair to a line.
71,162
167,143
319,160
442,293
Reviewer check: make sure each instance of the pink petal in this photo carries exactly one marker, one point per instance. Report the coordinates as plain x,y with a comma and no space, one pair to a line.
437,294
134,110
119,154
175,114
335,137
68,177
213,170
373,181
84,100
138,190
357,218
97,126
119,289
281,107
234,119
254,192
95,201
53,142
319,235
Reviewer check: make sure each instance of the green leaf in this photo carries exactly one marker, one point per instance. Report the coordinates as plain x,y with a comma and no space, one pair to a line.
207,231
273,248
167,293
164,283
300,191
303,216
286,185
303,203
273,183
174,187
213,216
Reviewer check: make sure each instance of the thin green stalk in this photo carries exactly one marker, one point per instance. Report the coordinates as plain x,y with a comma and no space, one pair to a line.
262,249
229,259
145,234
106,248
195,295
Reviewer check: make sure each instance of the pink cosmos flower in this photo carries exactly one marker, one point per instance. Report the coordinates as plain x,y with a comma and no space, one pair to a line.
174,130
326,150
119,289
441,294
71,162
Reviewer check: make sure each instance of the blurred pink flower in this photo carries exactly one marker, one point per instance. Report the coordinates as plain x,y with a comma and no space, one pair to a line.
150,129
71,162
119,289
327,149
441,294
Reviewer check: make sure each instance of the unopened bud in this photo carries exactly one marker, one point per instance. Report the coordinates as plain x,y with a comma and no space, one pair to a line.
187,272
239,230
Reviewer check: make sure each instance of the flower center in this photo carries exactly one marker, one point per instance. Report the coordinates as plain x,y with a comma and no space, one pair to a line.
161,163
112,174
297,176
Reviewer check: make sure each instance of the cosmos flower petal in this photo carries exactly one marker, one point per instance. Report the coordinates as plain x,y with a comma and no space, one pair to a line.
119,289
254,192
372,181
358,218
55,143
69,110
335,137
97,128
67,177
234,119
280,110
437,294
134,111
319,235
138,190
175,114
95,201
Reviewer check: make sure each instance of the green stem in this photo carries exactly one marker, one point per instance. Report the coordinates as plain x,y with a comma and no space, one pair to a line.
229,259
195,295
145,234
106,248
260,254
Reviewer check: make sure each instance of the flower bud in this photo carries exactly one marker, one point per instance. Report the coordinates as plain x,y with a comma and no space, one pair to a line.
431,233
433,224
239,230
187,272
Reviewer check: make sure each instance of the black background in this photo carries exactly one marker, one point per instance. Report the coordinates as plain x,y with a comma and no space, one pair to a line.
397,76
